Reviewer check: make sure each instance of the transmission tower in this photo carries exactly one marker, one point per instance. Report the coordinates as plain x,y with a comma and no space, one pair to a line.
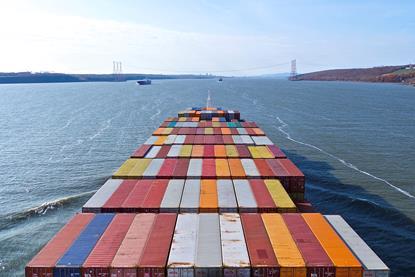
293,68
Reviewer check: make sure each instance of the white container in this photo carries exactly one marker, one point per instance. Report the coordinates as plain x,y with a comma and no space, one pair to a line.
151,140
208,252
237,139
174,151
195,168
242,131
179,139
247,139
191,196
179,124
250,168
235,258
170,139
226,197
172,196
245,197
153,152
153,168
372,264
262,140
94,204
183,248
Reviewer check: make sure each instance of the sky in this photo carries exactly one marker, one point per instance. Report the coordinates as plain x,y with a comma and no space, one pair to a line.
224,37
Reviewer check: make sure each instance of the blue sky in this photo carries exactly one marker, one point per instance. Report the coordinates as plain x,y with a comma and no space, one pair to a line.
222,37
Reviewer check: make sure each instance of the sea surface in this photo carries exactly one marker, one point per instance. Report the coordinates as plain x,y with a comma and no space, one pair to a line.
354,141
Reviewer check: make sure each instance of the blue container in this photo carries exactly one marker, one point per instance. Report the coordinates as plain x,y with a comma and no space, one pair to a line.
231,125
238,125
69,265
172,124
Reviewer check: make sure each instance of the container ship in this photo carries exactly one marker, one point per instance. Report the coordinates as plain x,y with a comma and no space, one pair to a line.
208,194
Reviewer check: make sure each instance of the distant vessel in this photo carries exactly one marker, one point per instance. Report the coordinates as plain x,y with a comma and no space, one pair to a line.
144,82
220,80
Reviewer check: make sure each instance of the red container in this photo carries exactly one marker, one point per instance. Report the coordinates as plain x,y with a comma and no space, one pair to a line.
218,139
165,124
234,131
263,260
208,124
180,172
243,151
175,131
198,139
277,152
208,169
181,131
134,201
264,169
163,152
262,196
189,139
200,131
279,172
167,169
209,151
119,196
250,131
297,179
223,124
201,125
156,252
191,131
315,257
217,131
42,264
99,260
142,151
152,201
209,139
227,139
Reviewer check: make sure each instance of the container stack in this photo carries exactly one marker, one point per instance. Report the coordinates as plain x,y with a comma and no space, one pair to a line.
208,194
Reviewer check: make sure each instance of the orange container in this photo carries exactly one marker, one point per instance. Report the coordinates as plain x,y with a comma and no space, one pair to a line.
222,169
158,132
225,131
236,168
220,151
160,140
197,151
258,131
345,262
208,196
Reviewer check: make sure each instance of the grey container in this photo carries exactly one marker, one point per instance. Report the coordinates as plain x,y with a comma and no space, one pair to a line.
262,140
191,196
195,168
372,264
242,131
208,251
170,139
226,196
153,168
95,203
172,196
245,197
174,151
247,139
180,139
151,140
235,258
250,168
237,139
153,152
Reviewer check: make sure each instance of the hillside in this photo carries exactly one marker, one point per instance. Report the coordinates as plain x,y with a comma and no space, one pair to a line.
390,74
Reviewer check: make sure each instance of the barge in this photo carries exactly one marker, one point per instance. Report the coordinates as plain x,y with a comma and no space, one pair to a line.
208,194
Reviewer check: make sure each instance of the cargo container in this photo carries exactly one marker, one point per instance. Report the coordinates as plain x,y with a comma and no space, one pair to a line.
172,196
170,139
174,151
117,198
185,151
262,196
372,264
261,253
151,140
208,249
154,259
297,179
250,168
286,251
280,197
236,169
280,173
264,170
70,263
317,262
191,196
153,168
208,168
245,197
43,263
162,154
95,203
153,152
181,169
231,151
209,151
99,260
226,197
181,259
262,140
189,139
222,169
154,196
127,258
246,139
220,151
132,202
141,151
167,169
132,169
197,151
276,151
235,257
243,151
208,196
346,264
195,168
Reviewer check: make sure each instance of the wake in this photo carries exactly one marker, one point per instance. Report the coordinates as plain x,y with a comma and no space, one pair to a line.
347,164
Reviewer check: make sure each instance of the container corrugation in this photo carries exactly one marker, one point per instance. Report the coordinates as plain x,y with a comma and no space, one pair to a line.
226,197
316,259
167,169
277,152
372,264
95,203
134,200
297,180
153,152
118,197
208,250
154,259
191,196
74,257
281,198
42,264
222,169
262,196
250,168
236,169
264,170
154,196
126,259
100,258
209,151
264,152
141,151
245,197
208,196
286,251
174,151
125,168
208,169
172,196
132,169
181,259
343,259
235,256
280,173
181,169
162,154
195,168
262,140
243,151
261,253
153,168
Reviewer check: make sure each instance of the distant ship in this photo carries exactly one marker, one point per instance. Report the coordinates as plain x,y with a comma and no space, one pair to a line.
220,80
144,82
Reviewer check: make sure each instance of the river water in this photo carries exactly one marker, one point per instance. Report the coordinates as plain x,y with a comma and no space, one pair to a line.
354,141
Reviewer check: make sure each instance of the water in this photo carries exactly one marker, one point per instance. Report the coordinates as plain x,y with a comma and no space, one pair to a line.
354,141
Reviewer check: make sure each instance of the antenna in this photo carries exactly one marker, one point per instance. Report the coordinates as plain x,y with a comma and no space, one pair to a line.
209,100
